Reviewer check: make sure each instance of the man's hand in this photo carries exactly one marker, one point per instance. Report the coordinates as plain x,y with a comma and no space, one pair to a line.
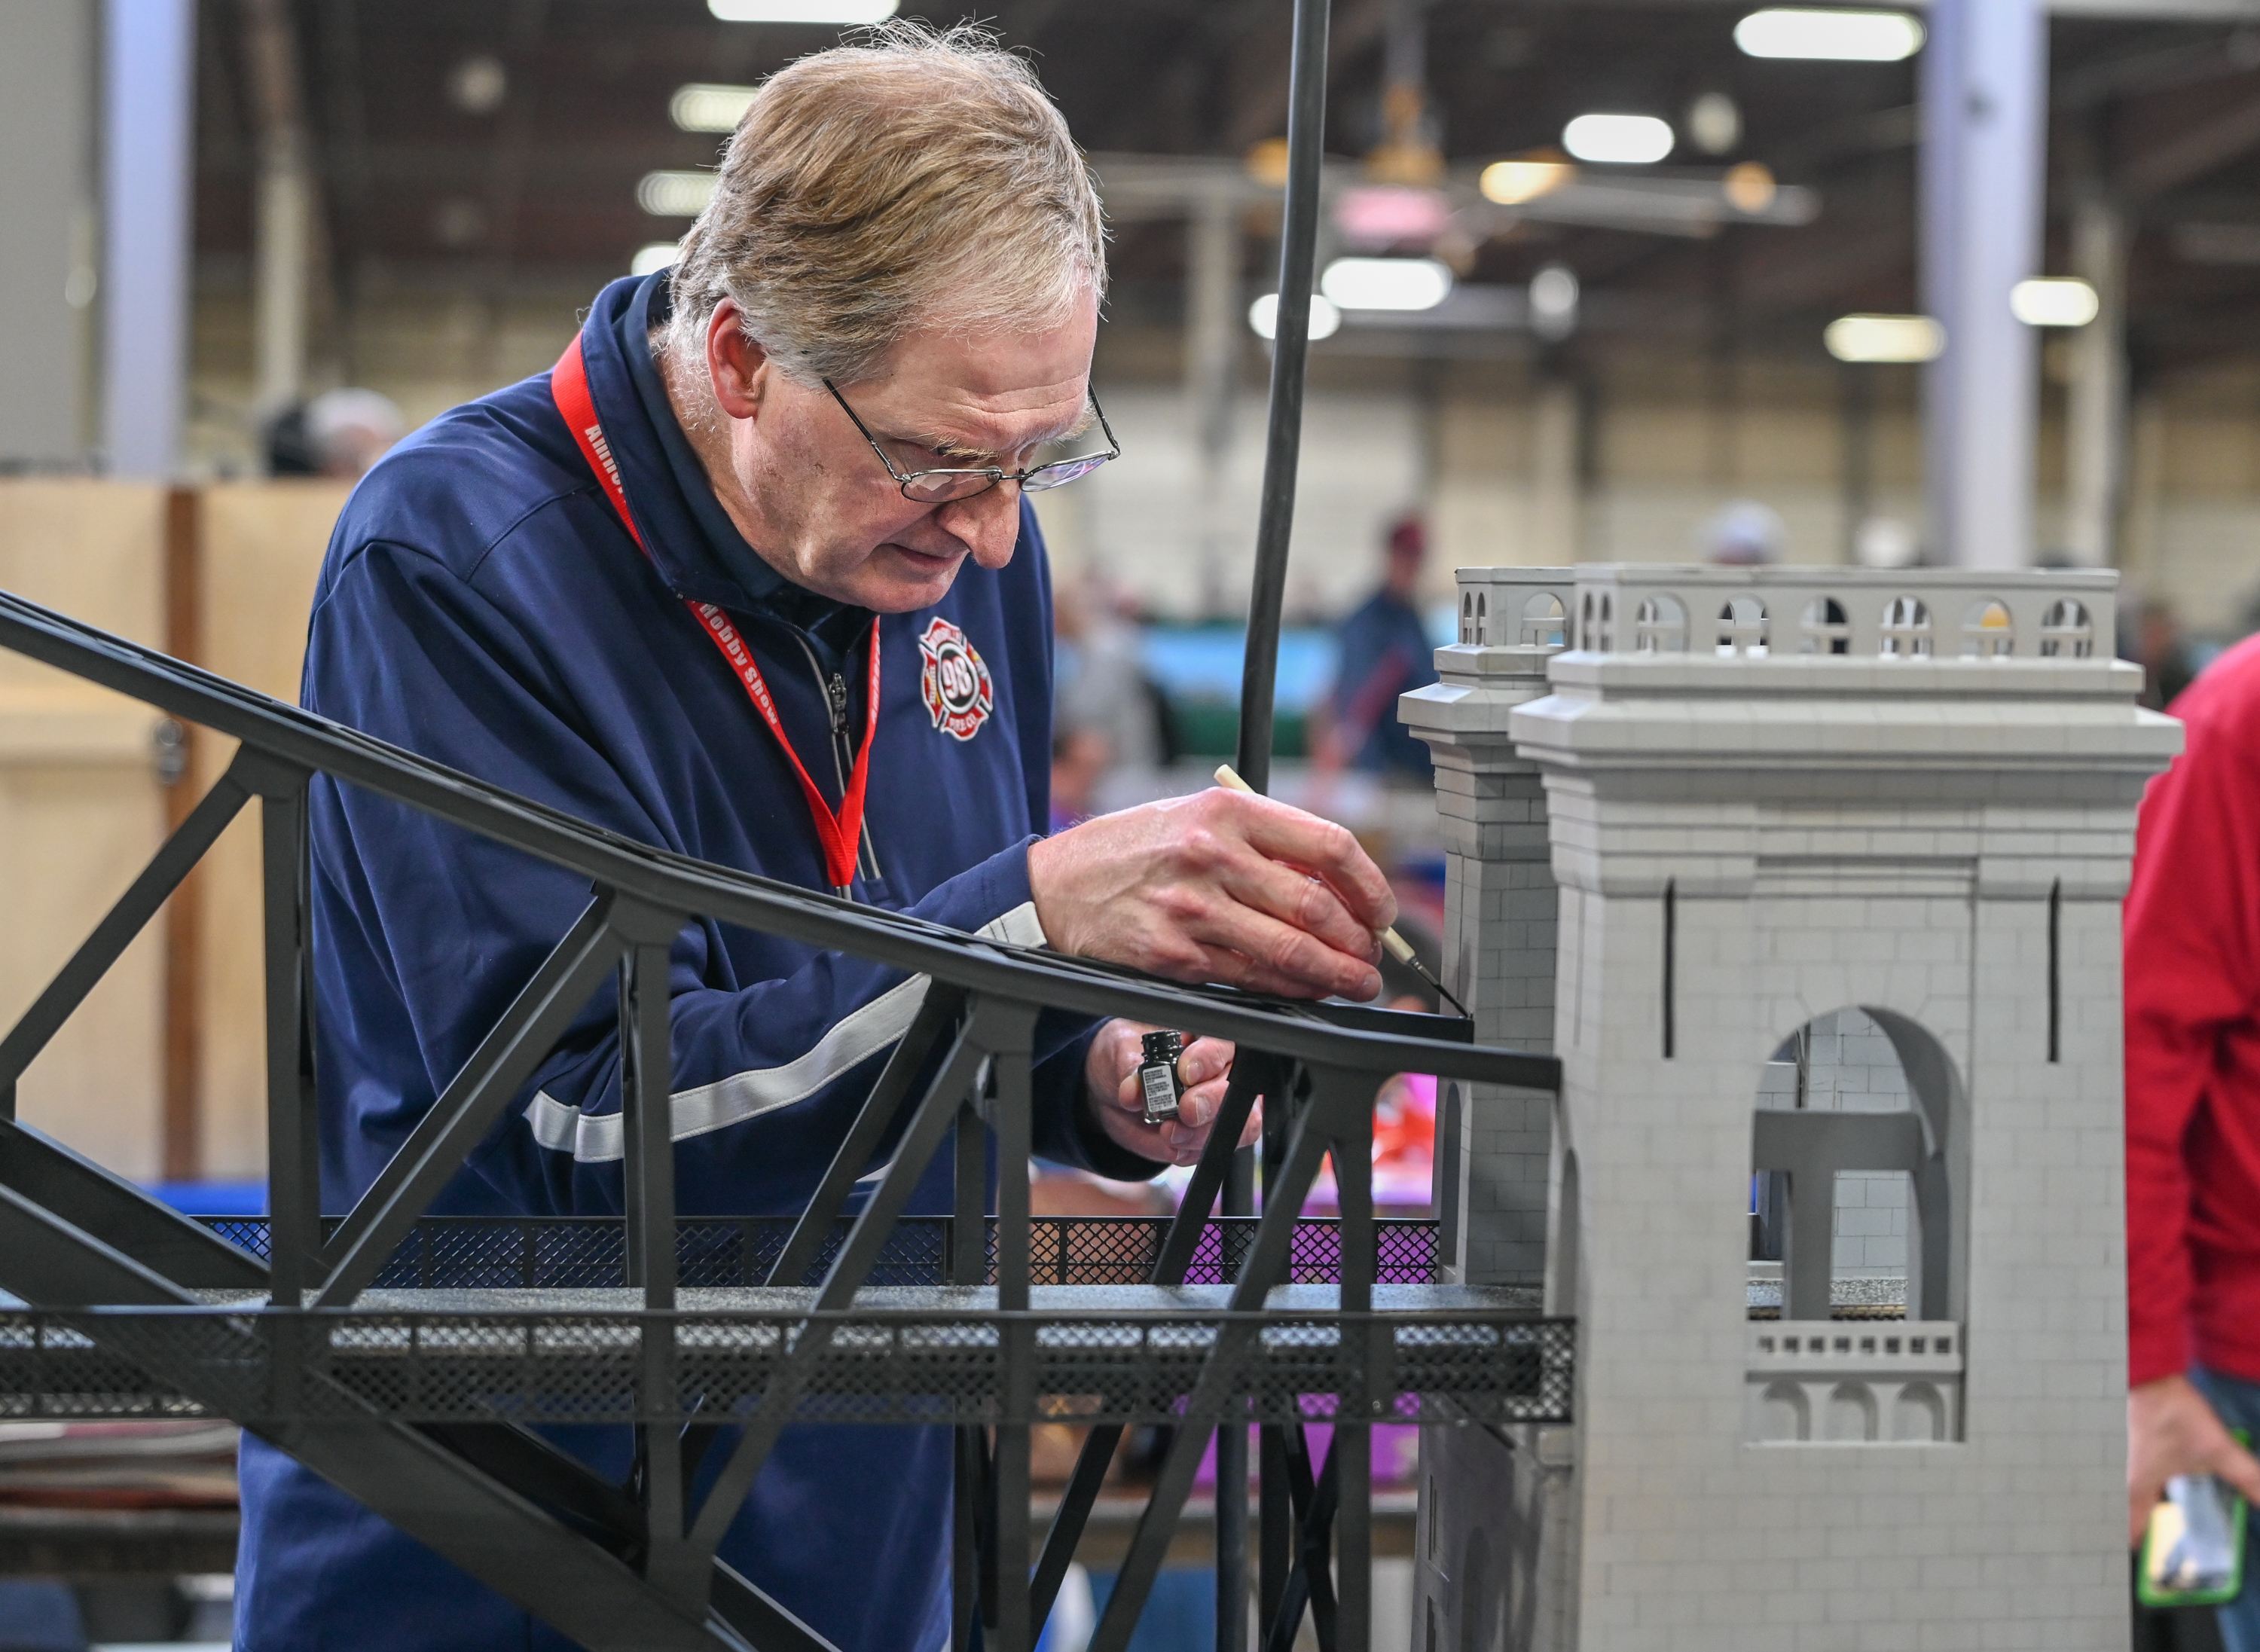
1112,1074
1218,886
2171,1430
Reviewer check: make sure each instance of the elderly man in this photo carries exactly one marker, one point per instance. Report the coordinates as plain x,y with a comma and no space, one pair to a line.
751,576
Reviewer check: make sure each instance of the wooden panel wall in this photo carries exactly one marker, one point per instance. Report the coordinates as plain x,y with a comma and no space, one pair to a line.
81,811
226,576
260,547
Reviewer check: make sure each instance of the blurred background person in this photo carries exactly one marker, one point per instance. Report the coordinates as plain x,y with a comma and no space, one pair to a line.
1384,651
339,434
1745,534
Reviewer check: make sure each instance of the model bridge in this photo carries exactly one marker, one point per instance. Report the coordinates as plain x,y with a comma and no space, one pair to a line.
412,1359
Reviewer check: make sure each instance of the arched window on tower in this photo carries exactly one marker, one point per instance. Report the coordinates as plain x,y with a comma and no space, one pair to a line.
2066,631
1543,621
1988,632
1742,627
1659,625
1906,629
1824,627
1855,1238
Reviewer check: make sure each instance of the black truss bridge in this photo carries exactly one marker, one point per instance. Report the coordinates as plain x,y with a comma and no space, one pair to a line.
410,1358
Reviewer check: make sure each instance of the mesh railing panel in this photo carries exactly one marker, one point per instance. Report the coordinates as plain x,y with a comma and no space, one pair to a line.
871,1367
534,1252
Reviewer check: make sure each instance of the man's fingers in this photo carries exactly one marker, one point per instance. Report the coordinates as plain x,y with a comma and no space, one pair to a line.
1300,901
1329,851
1205,1058
1295,964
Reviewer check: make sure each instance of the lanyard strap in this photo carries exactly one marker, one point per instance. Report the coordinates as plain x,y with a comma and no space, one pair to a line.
840,835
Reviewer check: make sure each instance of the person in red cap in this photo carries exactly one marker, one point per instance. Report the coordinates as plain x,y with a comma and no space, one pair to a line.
1385,650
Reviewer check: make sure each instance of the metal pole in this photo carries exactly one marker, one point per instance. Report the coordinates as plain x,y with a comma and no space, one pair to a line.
1983,110
1299,239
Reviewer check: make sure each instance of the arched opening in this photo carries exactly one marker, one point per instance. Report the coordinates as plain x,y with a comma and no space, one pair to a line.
1659,625
1542,620
1919,1415
1585,621
1851,1415
1785,1415
1608,624
1824,627
1468,618
2066,631
1853,1143
1742,627
1987,631
1483,617
1906,629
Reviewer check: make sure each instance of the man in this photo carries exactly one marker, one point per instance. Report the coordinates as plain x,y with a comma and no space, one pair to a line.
1385,651
2193,985
749,576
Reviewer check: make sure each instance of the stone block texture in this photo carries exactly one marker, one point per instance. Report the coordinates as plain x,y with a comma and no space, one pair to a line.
1892,813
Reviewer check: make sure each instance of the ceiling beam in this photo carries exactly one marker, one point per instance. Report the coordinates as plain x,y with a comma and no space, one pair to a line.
1259,109
2168,161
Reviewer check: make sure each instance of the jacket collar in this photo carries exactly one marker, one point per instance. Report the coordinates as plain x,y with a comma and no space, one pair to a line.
696,547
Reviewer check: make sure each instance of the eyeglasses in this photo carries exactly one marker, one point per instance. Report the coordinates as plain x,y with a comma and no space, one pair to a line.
937,487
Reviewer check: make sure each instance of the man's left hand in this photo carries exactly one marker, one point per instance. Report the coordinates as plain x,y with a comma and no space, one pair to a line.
1111,1073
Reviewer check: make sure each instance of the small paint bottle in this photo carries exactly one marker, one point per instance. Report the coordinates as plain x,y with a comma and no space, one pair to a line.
1157,1075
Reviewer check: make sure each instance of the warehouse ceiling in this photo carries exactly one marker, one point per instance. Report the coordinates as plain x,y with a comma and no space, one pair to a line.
482,147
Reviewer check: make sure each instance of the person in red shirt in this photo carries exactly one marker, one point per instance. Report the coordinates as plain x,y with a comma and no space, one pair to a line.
2192,995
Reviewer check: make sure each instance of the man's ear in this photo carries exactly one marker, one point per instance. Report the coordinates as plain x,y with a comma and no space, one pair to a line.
736,365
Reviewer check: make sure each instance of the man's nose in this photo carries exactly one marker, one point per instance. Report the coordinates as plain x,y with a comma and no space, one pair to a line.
988,523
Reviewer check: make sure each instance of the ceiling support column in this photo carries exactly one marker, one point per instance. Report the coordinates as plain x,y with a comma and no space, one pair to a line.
1984,134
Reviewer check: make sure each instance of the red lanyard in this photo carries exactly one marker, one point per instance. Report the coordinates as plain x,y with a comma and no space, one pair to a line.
842,834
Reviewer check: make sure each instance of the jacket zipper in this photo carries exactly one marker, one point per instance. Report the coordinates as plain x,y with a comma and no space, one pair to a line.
843,758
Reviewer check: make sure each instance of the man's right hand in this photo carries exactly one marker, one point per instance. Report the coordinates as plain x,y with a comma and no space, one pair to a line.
1218,886
2171,1430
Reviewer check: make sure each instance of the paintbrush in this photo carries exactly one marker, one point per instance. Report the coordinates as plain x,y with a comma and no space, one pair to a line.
1394,944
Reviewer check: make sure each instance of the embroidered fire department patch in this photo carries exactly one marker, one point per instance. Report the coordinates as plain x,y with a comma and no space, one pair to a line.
955,681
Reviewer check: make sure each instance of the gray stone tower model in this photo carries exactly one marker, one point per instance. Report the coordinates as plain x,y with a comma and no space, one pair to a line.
1776,799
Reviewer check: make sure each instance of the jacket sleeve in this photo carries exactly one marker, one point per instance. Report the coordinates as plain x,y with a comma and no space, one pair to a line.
2189,949
766,1079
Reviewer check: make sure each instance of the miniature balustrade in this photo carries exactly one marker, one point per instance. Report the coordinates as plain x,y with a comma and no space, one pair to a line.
1804,613
1827,1381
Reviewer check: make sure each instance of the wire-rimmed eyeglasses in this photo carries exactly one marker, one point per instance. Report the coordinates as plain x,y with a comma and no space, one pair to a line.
939,487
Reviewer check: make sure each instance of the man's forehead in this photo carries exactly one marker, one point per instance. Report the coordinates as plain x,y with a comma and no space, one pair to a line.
991,392
957,415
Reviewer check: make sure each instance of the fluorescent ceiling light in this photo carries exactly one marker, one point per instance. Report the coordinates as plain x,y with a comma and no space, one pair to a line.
674,194
838,13
2054,301
1512,183
1885,339
651,256
1386,283
1624,140
1830,34
702,106
1263,317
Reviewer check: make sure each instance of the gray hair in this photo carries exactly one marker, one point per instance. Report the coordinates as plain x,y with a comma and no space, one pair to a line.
913,178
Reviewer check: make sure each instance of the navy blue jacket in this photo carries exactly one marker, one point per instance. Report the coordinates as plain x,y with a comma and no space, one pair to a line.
482,603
